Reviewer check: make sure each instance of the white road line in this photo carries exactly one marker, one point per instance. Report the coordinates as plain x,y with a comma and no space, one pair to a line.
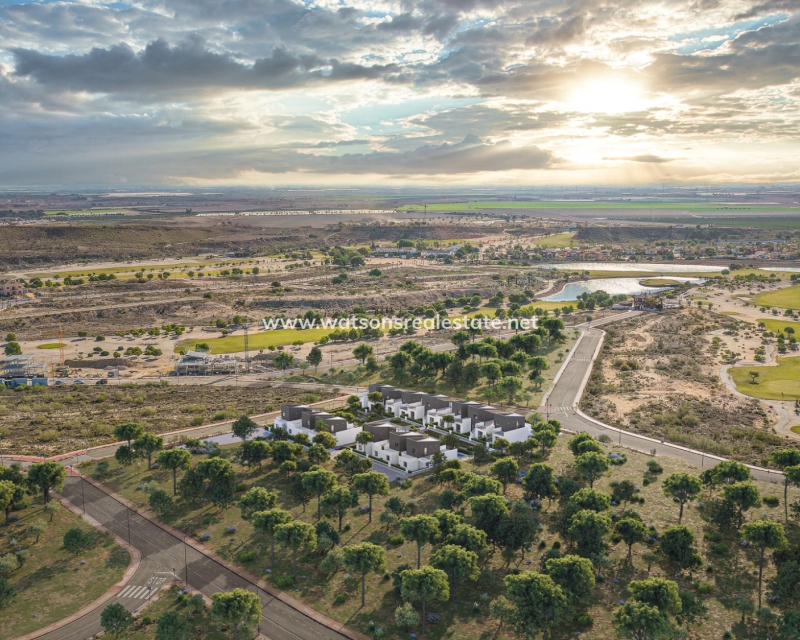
124,592
150,594
137,592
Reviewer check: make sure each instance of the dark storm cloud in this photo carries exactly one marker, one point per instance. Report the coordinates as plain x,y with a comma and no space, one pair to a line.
190,65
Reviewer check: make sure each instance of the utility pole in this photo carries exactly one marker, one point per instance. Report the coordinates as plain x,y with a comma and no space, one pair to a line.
246,348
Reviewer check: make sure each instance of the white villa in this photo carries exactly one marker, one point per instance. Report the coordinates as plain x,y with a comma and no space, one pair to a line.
466,418
403,448
298,418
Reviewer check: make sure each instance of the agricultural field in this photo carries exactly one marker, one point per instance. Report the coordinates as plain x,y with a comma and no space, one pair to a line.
692,207
54,583
257,340
555,240
727,570
53,420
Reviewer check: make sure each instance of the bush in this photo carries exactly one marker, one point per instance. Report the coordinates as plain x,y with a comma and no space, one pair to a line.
646,482
772,501
146,620
241,487
433,618
231,529
713,536
585,620
397,539
340,598
654,467
720,549
204,537
705,588
284,582
246,556
603,438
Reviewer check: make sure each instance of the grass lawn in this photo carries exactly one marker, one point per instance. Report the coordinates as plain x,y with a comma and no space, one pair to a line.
730,313
51,345
778,325
53,583
201,625
261,340
787,298
555,240
466,617
780,382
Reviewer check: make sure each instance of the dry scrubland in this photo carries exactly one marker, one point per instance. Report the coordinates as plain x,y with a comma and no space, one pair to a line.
52,420
659,375
731,571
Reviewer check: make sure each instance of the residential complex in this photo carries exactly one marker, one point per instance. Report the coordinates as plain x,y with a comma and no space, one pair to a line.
400,447
299,418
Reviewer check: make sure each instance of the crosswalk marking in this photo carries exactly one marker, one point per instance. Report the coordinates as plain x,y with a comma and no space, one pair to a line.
140,592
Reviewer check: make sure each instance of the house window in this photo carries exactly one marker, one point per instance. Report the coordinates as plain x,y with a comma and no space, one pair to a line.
405,464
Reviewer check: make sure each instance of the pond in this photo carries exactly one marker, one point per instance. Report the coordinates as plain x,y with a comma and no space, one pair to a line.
612,286
633,266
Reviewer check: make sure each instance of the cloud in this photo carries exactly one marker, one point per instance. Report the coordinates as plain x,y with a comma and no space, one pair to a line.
646,158
187,67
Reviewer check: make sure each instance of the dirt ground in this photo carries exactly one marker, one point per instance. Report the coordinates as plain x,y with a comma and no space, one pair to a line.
659,375
52,420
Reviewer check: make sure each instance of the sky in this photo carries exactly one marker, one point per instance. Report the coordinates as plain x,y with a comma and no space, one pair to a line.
399,92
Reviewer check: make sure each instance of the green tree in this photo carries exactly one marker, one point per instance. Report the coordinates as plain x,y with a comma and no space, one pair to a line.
459,563
221,478
511,386
505,470
12,349
743,495
546,436
9,494
372,484
148,444
790,624
640,621
116,619
540,483
244,427
591,465
682,488
539,602
657,592
364,558
631,531
7,593
254,452
317,454
491,371
267,521
575,576
783,459
488,512
319,482
296,535
362,352
77,540
764,534
730,471
174,459
160,501
501,609
676,544
474,485
517,529
364,438
623,491
421,529
257,499
172,626
283,360
234,608
588,529
693,611
283,451
468,537
46,476
326,440
424,585
125,455
128,431
314,357
37,528
406,615
584,443
338,500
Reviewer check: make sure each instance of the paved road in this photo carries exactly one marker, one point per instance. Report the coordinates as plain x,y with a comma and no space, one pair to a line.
563,400
165,558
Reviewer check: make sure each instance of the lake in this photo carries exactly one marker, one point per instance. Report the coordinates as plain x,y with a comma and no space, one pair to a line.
612,286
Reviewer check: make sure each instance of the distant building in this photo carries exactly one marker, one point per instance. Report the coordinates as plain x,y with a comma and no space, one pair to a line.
299,418
200,363
21,367
12,289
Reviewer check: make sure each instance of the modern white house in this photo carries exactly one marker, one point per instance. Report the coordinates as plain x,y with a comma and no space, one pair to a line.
409,450
299,418
466,418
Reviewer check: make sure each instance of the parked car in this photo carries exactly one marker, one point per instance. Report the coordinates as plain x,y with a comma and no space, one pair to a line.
99,382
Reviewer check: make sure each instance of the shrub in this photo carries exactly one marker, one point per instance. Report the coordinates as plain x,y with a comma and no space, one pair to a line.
231,529
340,598
654,467
585,620
284,582
713,536
241,487
396,539
720,549
204,537
705,588
246,556
772,501
646,482
603,438
146,620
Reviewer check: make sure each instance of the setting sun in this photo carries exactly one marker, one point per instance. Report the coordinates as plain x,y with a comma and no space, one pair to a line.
606,95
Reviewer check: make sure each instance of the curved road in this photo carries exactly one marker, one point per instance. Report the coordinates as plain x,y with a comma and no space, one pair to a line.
166,558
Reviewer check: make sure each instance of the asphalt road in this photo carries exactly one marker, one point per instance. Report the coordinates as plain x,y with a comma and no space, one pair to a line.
164,558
